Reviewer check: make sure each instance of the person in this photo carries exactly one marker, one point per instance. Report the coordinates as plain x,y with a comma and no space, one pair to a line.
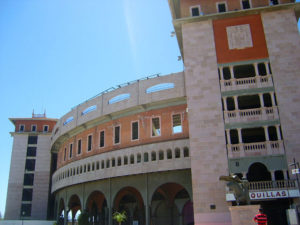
261,218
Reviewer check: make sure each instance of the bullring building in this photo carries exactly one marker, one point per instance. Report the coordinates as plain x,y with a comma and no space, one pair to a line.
156,147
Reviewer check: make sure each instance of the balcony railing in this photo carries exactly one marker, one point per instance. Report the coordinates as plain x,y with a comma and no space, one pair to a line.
272,185
246,83
257,114
255,149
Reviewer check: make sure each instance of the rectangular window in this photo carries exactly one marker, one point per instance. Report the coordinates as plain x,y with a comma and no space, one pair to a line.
25,210
71,151
21,128
65,154
155,127
33,128
89,147
28,179
274,2
195,11
27,194
32,140
135,130
31,151
102,137
246,4
117,135
30,165
46,128
221,7
177,126
79,147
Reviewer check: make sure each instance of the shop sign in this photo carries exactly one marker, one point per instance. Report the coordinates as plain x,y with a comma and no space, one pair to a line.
268,194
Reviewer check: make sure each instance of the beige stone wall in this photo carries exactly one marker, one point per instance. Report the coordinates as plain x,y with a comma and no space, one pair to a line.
41,178
206,126
283,43
16,176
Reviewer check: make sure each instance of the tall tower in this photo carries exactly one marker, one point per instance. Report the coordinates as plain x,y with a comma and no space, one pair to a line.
28,185
242,78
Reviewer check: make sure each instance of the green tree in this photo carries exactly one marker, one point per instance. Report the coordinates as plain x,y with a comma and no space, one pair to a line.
120,217
83,218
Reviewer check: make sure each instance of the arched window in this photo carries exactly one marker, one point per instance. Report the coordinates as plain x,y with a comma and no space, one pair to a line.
161,155
169,154
153,156
186,152
131,159
177,153
138,158
146,157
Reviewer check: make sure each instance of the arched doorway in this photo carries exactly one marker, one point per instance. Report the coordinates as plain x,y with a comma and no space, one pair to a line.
74,205
258,172
171,204
97,208
130,200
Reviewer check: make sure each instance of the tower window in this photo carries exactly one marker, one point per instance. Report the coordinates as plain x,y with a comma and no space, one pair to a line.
195,10
274,2
221,7
246,4
33,128
21,128
46,128
32,140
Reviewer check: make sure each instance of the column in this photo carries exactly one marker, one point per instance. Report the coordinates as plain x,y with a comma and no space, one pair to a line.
65,216
231,72
266,133
225,104
240,135
256,69
273,98
228,136
221,73
267,68
278,132
236,106
261,99
272,175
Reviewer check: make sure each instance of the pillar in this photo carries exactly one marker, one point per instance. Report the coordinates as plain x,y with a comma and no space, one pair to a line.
221,73
256,69
278,132
236,106
231,72
240,135
261,99
228,136
273,98
65,216
225,104
267,68
266,133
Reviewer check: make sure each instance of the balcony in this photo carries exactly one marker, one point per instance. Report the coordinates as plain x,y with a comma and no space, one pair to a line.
249,115
234,84
264,190
255,149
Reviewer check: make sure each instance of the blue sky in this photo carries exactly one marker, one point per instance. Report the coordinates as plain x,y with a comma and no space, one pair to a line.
56,54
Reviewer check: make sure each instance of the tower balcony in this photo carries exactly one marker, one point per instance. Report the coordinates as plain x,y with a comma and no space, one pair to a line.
255,149
248,115
245,76
246,83
258,141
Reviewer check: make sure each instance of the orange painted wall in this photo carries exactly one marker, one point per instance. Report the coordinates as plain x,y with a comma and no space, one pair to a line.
225,55
125,124
38,123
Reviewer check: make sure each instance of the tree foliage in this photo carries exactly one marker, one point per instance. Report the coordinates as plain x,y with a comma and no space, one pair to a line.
120,217
83,218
